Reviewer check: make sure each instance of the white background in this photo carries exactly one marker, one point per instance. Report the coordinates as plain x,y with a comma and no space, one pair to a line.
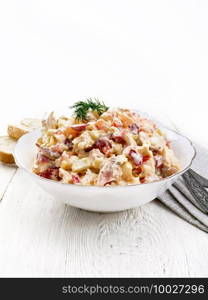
152,55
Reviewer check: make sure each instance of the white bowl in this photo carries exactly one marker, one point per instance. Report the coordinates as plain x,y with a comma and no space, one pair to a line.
104,199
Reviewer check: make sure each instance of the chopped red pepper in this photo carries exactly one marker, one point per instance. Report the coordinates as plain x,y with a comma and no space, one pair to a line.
136,157
75,179
117,123
103,145
88,149
68,143
118,139
137,170
142,180
145,158
79,127
51,173
109,182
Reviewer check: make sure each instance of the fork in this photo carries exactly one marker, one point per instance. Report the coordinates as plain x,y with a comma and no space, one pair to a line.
196,183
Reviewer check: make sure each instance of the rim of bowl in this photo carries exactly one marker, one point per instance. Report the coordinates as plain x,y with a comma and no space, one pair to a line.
114,186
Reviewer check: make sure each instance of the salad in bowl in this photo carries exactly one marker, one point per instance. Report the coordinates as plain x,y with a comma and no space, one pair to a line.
103,147
103,159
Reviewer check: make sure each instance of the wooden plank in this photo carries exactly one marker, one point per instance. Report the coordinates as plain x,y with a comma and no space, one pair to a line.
6,174
40,236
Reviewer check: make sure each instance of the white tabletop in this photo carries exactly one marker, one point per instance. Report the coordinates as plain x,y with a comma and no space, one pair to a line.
150,55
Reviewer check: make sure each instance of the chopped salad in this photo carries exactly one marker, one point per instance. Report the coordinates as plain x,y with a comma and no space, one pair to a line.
103,148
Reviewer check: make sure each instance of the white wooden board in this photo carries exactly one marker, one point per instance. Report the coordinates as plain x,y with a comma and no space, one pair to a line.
40,236
6,175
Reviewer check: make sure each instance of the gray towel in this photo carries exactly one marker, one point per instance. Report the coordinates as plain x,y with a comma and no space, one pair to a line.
179,198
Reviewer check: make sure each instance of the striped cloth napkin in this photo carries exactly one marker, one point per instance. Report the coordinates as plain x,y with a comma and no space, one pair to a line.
180,198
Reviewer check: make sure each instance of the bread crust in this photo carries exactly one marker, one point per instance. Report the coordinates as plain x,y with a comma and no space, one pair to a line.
7,158
15,132
7,145
25,126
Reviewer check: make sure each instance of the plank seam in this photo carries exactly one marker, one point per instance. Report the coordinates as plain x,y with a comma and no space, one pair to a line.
8,184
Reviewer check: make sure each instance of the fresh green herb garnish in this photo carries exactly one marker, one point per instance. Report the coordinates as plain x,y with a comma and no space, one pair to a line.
81,108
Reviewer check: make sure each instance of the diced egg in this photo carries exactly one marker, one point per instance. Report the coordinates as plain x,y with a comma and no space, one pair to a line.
81,164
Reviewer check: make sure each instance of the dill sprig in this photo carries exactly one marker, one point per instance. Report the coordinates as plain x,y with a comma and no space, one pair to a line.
81,108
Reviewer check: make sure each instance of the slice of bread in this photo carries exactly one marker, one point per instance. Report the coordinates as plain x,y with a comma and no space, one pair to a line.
7,145
25,126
